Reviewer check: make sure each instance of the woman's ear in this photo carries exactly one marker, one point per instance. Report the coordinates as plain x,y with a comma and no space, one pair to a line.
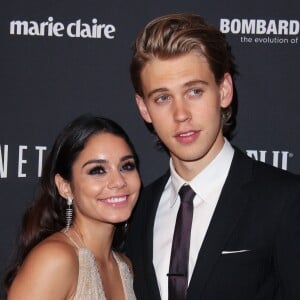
63,186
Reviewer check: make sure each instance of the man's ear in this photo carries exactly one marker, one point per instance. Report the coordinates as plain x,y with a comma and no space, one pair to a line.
143,108
226,91
63,186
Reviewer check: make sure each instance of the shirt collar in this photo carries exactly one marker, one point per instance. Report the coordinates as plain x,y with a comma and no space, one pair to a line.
212,176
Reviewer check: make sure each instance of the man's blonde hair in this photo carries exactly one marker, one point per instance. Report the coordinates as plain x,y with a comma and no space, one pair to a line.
178,34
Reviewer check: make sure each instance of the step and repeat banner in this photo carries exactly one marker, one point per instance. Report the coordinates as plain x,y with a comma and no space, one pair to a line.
59,59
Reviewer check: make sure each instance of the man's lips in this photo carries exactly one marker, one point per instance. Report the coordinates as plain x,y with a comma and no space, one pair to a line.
187,136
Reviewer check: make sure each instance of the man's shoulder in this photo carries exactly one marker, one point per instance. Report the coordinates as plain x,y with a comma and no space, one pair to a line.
263,171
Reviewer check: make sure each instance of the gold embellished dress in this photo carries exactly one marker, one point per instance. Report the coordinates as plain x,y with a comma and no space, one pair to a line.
89,286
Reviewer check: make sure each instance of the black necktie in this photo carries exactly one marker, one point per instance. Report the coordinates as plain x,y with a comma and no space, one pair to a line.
178,272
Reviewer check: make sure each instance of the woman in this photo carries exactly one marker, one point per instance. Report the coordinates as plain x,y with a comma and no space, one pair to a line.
89,186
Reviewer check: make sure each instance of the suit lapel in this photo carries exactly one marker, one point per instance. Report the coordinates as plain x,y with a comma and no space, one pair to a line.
227,213
153,197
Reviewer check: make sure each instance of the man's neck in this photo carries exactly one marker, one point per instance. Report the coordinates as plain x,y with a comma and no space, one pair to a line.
189,169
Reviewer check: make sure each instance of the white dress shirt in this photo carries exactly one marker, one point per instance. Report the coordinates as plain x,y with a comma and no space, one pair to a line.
207,186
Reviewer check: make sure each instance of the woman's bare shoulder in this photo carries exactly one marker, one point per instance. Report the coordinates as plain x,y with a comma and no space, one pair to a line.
50,268
55,250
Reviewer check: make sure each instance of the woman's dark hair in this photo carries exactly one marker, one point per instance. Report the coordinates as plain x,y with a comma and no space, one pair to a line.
46,215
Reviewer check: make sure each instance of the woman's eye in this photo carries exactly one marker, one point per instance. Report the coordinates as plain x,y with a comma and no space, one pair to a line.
97,171
128,166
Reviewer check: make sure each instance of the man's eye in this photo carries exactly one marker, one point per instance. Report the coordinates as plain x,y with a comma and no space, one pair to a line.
97,171
162,98
195,92
128,166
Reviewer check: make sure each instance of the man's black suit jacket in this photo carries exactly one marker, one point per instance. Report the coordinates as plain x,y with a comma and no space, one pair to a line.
258,211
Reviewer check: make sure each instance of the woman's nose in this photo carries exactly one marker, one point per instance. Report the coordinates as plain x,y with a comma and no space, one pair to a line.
116,181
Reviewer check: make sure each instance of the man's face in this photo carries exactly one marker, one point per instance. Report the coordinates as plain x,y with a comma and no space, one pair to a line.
183,102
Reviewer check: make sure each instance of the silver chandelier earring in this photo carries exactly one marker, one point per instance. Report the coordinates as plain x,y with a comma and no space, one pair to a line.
69,213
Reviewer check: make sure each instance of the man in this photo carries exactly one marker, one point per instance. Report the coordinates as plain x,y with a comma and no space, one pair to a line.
245,226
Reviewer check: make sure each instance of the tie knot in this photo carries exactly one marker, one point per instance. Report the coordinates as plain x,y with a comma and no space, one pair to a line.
186,193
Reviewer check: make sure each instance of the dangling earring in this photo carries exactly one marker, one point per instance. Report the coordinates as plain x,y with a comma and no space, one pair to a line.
126,226
69,213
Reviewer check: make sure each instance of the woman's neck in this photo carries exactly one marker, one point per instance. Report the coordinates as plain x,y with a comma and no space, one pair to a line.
98,239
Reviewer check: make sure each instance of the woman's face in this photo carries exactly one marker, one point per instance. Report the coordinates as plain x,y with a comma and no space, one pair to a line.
105,182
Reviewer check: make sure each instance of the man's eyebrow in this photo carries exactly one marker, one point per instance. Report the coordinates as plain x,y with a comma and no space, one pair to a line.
194,82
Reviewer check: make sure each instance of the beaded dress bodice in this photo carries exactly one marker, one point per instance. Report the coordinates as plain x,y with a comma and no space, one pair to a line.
89,285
